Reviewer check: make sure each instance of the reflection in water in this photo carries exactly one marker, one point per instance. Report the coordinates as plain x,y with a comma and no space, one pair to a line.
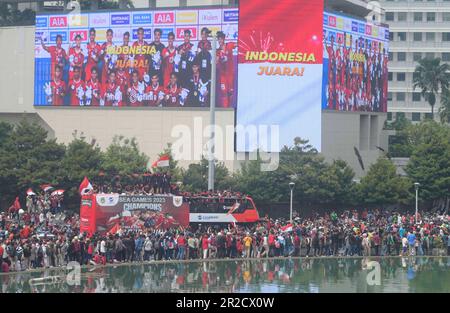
281,275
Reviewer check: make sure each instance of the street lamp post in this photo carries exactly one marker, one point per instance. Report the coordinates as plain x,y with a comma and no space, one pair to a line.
416,186
212,115
291,186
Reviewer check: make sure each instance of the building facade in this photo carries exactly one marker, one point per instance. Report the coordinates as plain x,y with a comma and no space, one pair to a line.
419,29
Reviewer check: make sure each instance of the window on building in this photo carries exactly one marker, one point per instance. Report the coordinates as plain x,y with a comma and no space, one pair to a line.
401,36
389,16
390,76
401,96
389,116
446,56
417,97
445,36
429,55
401,77
446,16
401,16
431,17
418,17
417,36
401,56
430,36
391,56
428,116
415,117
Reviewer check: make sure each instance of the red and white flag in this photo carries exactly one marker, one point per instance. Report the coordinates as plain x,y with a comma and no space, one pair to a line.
163,161
85,186
58,192
287,228
30,192
46,187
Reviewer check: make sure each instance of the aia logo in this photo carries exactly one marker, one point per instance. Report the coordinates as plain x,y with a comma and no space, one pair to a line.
58,21
164,18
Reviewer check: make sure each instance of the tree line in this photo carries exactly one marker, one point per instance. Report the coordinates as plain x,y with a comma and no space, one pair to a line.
28,158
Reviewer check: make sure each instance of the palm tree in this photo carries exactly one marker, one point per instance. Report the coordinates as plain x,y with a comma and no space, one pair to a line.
431,76
444,110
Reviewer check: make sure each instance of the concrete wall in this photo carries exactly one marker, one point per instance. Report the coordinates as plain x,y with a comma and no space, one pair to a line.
341,132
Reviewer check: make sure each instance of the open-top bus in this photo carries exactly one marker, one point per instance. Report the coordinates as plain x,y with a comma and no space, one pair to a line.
222,210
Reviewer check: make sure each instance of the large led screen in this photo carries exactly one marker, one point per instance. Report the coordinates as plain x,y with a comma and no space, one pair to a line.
355,65
280,74
135,59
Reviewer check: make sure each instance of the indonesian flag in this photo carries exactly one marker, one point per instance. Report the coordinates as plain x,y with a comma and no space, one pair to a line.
287,228
58,192
163,161
85,186
234,208
30,192
114,229
46,187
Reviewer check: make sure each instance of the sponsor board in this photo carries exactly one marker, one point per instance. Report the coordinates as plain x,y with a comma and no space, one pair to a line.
99,20
210,17
186,17
142,18
58,21
120,19
164,18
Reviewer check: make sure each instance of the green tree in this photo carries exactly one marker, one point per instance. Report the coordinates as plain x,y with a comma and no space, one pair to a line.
123,158
81,159
383,186
195,178
444,110
430,161
28,158
431,76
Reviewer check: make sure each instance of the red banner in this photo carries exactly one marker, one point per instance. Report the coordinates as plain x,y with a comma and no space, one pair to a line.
106,212
87,214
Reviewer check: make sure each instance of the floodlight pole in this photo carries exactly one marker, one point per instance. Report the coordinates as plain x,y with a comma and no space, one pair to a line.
212,115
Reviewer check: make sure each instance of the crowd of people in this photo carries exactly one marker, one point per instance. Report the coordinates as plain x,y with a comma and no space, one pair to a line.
139,73
33,240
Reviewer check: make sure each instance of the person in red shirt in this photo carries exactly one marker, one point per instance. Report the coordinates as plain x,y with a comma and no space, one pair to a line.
57,53
108,58
93,89
76,88
225,70
181,240
135,90
174,93
56,90
141,58
124,57
154,93
205,245
76,56
204,43
111,95
168,55
122,79
94,53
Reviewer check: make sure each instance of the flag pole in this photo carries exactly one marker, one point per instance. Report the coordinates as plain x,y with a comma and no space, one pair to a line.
212,114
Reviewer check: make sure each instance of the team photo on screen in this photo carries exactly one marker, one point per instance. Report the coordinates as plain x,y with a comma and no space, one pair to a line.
356,65
173,69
